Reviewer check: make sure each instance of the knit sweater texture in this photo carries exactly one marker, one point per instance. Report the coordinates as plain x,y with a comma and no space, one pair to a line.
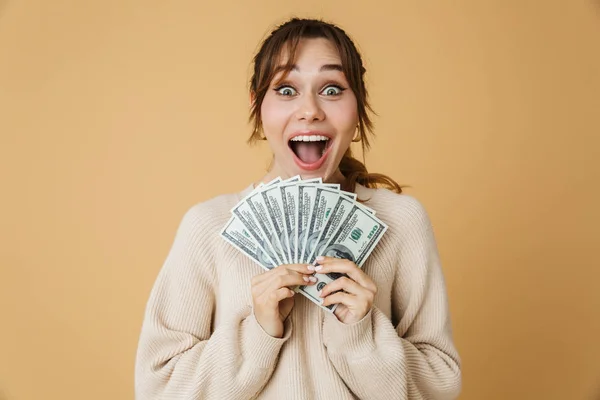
200,339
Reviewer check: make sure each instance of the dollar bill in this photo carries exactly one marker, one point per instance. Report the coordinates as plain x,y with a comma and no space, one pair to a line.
338,215
306,198
274,201
350,195
357,237
326,200
275,181
289,197
237,235
354,240
296,178
331,185
354,196
258,205
247,216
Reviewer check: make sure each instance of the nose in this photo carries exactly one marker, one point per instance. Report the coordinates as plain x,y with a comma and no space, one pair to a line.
309,109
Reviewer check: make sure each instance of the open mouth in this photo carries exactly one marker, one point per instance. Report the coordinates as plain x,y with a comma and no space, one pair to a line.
310,150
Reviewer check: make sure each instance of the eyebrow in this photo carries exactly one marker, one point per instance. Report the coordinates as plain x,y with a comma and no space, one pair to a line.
325,67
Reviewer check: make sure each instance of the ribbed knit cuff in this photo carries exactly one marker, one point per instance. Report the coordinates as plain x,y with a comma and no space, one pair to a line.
354,340
259,347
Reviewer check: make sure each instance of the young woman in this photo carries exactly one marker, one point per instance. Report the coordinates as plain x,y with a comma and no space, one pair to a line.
217,327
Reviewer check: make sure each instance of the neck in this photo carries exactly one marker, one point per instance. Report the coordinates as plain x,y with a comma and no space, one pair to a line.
336,177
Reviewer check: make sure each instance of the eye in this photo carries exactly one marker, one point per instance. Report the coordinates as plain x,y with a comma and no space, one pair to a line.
286,91
332,90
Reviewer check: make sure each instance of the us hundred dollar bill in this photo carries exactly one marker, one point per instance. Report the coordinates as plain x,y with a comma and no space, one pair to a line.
325,201
354,240
236,234
246,216
289,199
338,215
307,194
350,195
273,199
258,205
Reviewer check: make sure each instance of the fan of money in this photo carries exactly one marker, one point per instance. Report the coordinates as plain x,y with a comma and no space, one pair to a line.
294,221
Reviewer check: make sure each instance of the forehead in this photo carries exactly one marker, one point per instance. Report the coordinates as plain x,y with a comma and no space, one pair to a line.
313,51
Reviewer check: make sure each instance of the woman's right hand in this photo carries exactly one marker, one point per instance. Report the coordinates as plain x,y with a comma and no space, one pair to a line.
272,297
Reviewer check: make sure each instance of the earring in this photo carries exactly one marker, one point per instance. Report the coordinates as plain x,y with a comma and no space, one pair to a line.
358,136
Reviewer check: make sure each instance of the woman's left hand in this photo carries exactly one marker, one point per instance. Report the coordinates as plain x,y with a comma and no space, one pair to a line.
356,299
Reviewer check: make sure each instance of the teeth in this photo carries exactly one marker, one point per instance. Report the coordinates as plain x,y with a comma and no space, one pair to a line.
311,138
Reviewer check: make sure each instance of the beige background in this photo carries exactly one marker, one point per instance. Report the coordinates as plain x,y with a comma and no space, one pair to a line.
117,116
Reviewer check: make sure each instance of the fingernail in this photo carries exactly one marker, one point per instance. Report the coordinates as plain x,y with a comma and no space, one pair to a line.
313,279
319,293
318,268
306,279
320,258
311,267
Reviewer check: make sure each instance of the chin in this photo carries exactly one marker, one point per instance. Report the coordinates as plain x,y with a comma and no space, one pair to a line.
326,172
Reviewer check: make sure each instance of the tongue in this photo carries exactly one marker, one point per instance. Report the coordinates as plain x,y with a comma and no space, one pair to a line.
308,152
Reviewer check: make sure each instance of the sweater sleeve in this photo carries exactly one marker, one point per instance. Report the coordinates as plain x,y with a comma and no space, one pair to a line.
416,359
180,355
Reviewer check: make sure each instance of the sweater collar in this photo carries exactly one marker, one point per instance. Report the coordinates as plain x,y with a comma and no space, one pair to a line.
362,192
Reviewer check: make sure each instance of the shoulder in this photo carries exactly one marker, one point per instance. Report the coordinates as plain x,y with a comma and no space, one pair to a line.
206,219
403,213
213,208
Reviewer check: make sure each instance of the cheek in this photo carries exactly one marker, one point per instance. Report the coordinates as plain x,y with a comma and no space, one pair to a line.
345,118
274,116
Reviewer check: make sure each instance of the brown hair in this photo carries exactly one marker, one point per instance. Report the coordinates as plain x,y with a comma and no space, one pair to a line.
266,61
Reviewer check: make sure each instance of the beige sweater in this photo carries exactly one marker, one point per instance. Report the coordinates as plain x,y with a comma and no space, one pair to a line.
200,340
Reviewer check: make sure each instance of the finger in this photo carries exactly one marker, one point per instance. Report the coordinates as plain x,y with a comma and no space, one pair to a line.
282,269
339,265
293,268
345,284
274,297
259,278
275,282
301,268
282,293
291,280
261,283
266,275
349,300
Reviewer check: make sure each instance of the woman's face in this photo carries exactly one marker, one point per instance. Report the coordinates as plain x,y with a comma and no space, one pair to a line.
310,117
